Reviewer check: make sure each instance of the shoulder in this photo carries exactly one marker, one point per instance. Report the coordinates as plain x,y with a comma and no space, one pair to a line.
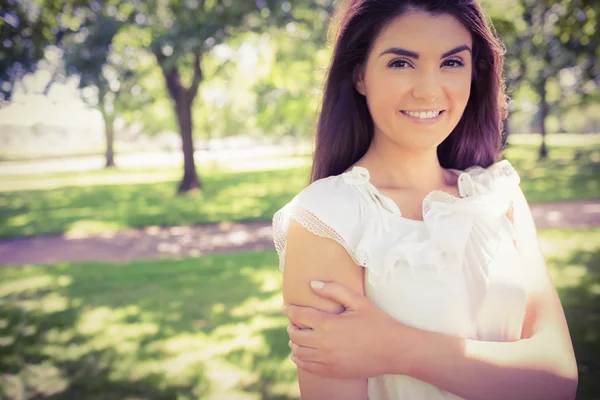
500,178
329,197
499,171
329,208
332,201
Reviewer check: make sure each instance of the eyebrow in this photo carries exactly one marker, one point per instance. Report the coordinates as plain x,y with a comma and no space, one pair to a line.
403,52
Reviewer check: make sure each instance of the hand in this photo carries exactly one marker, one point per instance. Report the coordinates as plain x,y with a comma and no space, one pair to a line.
361,342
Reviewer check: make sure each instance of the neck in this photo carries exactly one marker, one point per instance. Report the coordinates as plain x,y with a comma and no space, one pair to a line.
393,166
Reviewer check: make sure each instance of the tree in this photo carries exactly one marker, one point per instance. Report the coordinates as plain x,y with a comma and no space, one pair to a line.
288,95
180,33
27,28
184,32
100,67
81,32
557,47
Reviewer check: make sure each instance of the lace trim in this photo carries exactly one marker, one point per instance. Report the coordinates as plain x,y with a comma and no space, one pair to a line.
313,224
437,195
310,222
502,168
278,234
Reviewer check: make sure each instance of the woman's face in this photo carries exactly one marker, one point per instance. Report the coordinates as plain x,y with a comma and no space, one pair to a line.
417,79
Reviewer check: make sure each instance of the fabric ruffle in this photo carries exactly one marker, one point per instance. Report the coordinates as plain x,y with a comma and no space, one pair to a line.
370,226
451,226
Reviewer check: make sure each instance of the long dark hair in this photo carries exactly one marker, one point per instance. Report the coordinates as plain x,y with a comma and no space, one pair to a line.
345,127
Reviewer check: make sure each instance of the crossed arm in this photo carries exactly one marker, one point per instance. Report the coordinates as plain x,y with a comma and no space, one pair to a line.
362,341
309,257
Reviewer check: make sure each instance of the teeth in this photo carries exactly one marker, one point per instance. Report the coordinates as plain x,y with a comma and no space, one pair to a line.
423,114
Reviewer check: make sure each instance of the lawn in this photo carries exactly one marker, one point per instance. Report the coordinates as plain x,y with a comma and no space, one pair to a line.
91,202
571,172
199,328
209,328
80,203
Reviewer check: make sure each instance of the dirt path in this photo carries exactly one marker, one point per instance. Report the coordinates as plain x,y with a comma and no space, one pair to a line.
187,241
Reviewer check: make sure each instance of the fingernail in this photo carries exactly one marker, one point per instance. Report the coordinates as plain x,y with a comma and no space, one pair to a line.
293,358
317,284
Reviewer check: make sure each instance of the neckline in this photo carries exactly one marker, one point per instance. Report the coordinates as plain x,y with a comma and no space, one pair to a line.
428,196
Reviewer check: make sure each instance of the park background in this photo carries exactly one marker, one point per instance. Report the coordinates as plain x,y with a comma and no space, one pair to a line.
145,145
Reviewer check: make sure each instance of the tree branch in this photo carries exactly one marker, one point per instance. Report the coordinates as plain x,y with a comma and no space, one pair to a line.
48,86
172,78
193,89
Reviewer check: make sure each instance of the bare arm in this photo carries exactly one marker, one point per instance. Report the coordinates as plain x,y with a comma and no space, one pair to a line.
539,366
310,257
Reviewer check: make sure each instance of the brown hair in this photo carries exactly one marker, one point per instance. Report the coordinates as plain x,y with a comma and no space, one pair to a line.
345,126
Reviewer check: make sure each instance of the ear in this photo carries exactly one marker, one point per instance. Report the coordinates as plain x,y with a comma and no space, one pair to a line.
358,78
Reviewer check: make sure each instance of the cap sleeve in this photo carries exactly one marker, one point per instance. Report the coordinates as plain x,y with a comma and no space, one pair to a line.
327,209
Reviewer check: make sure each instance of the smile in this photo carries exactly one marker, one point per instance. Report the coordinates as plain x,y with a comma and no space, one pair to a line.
424,117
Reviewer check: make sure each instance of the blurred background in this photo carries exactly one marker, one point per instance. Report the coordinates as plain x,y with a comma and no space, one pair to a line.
146,145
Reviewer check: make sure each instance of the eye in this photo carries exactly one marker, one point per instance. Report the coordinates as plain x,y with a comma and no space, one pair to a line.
453,63
400,64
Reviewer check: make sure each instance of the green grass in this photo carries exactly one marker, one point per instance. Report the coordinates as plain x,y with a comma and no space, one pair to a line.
111,200
91,202
209,328
571,172
573,258
199,328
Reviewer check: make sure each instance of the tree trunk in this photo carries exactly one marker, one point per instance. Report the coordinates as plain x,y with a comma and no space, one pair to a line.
190,179
543,153
505,133
183,99
545,73
109,133
109,129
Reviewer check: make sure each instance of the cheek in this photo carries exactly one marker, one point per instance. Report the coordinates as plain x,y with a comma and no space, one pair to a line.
384,94
459,89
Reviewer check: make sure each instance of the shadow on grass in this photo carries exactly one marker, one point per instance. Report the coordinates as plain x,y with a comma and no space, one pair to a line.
580,297
203,328
197,328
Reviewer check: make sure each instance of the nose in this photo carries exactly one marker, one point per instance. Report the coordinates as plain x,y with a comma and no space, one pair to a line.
427,87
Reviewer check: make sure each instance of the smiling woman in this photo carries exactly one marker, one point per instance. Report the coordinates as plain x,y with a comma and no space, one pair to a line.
411,262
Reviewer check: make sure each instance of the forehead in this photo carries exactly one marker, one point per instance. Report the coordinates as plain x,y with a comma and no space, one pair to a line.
423,33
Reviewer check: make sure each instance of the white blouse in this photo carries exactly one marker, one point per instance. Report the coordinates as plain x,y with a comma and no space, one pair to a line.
456,272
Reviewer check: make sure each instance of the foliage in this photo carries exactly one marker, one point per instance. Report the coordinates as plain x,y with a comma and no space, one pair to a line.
27,28
551,53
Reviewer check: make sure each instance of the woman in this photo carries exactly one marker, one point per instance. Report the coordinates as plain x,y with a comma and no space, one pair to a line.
440,289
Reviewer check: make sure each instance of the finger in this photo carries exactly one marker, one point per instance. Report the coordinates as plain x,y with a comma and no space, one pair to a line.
303,337
305,317
305,353
312,367
341,294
